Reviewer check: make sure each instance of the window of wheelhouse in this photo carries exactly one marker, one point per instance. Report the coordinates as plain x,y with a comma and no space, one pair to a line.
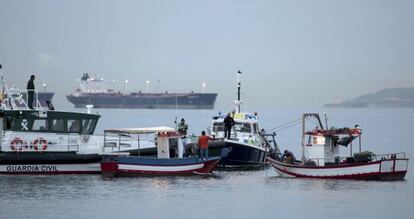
58,125
255,128
8,123
39,125
218,127
73,126
242,127
88,126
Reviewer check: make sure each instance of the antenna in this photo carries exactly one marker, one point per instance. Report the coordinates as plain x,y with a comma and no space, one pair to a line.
125,85
204,87
147,82
238,102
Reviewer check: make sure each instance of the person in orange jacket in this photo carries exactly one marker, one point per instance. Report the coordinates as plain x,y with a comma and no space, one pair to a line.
203,144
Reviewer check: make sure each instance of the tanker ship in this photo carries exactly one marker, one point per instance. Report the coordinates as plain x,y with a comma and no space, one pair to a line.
92,92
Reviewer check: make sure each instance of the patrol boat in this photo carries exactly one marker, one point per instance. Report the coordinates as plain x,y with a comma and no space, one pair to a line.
247,145
44,141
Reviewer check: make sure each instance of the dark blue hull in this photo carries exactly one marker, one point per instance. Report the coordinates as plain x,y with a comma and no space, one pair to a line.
142,166
241,155
146,101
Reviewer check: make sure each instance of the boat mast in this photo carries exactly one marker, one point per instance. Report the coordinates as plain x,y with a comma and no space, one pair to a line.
4,89
303,138
238,102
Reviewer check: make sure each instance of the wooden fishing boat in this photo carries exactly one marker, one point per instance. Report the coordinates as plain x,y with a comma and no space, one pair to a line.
167,161
320,157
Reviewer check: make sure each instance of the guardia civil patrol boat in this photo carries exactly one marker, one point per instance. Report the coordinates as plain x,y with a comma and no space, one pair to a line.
248,147
45,141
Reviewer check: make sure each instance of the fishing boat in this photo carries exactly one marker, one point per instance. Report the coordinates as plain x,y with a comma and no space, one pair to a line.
321,157
166,162
45,141
247,145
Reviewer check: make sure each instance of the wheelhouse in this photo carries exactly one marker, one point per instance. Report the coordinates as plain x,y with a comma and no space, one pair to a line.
245,124
48,121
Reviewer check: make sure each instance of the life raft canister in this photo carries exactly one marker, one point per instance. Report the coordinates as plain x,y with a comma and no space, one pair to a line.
16,144
40,144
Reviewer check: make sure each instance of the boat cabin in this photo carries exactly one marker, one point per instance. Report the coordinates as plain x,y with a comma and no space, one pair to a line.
322,146
48,121
167,140
245,129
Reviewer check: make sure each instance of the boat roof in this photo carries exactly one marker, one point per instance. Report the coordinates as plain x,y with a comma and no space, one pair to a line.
146,130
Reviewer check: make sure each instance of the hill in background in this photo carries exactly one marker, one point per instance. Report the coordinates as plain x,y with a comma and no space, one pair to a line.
389,97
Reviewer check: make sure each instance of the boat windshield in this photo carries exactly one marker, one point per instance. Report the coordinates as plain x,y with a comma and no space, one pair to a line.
239,127
54,122
242,127
218,127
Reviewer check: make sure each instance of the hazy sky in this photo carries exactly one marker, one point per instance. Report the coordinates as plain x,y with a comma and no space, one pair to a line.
291,52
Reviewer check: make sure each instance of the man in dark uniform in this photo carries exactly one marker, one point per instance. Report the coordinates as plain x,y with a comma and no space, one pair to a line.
30,91
228,123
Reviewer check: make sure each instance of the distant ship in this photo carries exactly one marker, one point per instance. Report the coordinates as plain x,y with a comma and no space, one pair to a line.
346,105
91,92
338,103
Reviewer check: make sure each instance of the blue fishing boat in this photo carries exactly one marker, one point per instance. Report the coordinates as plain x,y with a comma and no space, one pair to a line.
168,161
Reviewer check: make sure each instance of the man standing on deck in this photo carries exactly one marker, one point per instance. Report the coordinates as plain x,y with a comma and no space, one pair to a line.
30,92
182,128
228,123
203,144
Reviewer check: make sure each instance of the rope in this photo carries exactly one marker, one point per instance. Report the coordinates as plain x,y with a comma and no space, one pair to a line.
285,125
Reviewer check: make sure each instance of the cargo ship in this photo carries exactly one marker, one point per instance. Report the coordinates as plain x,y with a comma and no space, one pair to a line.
92,92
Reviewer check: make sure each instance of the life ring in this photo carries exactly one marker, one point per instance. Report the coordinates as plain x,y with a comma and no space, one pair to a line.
16,144
40,144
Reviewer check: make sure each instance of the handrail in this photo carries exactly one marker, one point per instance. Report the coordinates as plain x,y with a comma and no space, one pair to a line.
374,157
14,94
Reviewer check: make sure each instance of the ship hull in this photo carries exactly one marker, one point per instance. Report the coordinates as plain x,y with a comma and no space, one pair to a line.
140,166
49,163
346,105
145,101
383,170
240,155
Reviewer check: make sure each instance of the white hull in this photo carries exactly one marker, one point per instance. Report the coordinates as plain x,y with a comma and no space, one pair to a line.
50,168
392,168
160,168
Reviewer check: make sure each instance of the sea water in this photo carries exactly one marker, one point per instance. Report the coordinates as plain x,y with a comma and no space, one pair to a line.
226,194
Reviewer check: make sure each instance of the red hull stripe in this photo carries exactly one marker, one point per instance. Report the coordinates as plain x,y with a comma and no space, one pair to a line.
330,167
364,176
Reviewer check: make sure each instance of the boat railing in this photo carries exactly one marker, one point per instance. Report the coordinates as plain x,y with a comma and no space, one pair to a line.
399,155
340,160
18,99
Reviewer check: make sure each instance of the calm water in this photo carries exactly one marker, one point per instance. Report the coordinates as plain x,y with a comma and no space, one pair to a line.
253,194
